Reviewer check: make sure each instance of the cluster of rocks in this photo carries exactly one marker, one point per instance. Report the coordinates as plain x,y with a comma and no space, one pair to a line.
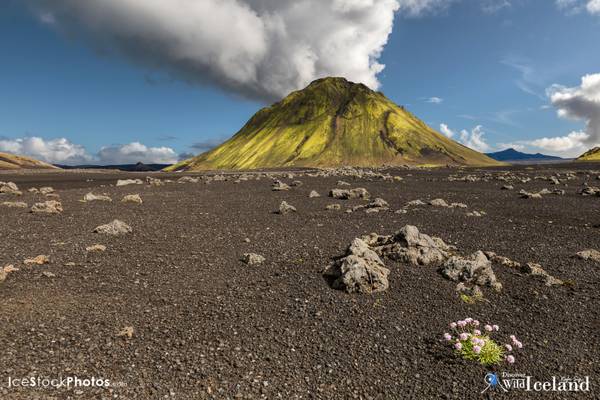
357,173
14,204
532,269
362,270
374,206
538,195
9,188
589,191
346,194
443,203
47,207
410,246
188,179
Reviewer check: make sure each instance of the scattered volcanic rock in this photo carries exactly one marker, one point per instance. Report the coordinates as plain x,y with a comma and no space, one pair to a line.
285,208
507,187
252,259
92,197
414,203
476,269
279,186
115,228
154,181
408,245
342,183
374,206
335,206
589,191
46,190
96,248
125,182
438,203
359,271
504,261
528,195
188,179
346,194
15,204
476,213
47,207
132,198
313,194
4,271
39,260
127,332
10,188
537,270
593,255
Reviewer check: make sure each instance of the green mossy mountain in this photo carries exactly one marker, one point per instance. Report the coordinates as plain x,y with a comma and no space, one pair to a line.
14,162
590,155
331,123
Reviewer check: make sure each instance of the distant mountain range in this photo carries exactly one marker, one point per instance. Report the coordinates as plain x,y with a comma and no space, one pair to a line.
512,155
139,167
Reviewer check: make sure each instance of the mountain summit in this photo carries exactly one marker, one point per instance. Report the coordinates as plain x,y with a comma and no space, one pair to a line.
334,122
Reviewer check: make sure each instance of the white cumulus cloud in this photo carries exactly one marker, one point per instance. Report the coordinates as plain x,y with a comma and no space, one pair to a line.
257,48
572,144
473,139
580,103
134,152
53,151
435,100
63,151
446,131
577,6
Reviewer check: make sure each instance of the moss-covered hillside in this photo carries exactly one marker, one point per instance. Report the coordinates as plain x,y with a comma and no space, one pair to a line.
334,122
11,161
590,155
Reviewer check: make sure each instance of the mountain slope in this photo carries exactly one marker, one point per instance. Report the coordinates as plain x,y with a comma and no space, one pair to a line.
334,122
514,155
11,161
590,155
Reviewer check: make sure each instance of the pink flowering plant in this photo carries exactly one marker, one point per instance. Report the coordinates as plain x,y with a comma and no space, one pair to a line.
473,341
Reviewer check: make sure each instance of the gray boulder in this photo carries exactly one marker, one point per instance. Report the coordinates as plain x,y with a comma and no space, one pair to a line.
115,228
360,271
285,208
476,270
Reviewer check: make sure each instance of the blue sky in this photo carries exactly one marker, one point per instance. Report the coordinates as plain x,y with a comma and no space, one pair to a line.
477,70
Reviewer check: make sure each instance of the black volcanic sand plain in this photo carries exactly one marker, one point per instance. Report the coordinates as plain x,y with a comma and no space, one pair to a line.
208,326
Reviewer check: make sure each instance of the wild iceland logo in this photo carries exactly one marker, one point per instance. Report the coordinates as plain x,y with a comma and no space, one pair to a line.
516,381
